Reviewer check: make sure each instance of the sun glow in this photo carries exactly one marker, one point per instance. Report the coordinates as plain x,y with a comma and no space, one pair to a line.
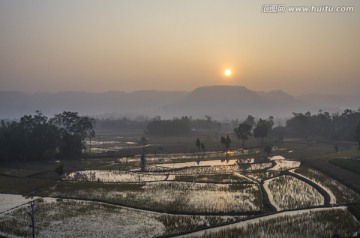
227,72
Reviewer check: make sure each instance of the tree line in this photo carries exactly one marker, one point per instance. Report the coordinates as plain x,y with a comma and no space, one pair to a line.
156,125
37,137
173,127
250,127
337,126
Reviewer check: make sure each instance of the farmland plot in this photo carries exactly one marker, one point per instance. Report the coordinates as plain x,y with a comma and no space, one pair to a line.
206,198
199,163
113,176
210,178
206,170
287,192
322,223
200,194
190,159
9,201
175,197
64,218
339,193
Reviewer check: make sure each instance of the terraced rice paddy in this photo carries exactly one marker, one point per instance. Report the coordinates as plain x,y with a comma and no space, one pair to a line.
191,192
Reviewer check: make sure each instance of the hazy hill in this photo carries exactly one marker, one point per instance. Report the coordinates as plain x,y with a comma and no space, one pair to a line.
219,102
15,104
229,102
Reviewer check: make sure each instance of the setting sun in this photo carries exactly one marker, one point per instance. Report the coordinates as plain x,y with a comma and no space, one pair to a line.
227,72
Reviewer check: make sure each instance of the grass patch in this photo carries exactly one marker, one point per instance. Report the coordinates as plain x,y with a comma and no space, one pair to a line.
69,218
174,197
349,164
355,210
72,188
310,224
177,224
23,186
66,218
346,151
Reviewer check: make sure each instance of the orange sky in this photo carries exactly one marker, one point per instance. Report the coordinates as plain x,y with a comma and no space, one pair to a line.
89,45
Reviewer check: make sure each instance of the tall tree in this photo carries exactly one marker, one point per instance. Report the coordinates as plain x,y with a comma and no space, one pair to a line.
172,127
143,142
74,129
268,150
263,128
251,121
243,132
74,124
198,144
226,141
38,138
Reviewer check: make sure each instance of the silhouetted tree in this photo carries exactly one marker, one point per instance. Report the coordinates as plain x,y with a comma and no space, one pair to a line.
73,130
143,142
299,120
198,144
268,150
357,134
38,138
243,131
70,146
172,127
226,141
263,128
250,120
142,162
32,138
335,127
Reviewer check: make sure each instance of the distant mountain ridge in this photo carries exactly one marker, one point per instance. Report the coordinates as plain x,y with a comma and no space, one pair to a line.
230,102
219,102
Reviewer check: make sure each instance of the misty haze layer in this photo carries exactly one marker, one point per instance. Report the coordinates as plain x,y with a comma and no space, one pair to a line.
219,102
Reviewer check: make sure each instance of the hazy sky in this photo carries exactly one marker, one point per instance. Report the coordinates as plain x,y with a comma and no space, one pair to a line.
106,45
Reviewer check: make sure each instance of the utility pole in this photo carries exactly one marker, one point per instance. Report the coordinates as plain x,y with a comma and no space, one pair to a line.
32,215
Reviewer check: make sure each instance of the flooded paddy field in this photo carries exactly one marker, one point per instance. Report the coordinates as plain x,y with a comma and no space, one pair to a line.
179,193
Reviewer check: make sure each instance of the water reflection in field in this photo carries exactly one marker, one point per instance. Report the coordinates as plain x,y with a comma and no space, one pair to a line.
200,163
